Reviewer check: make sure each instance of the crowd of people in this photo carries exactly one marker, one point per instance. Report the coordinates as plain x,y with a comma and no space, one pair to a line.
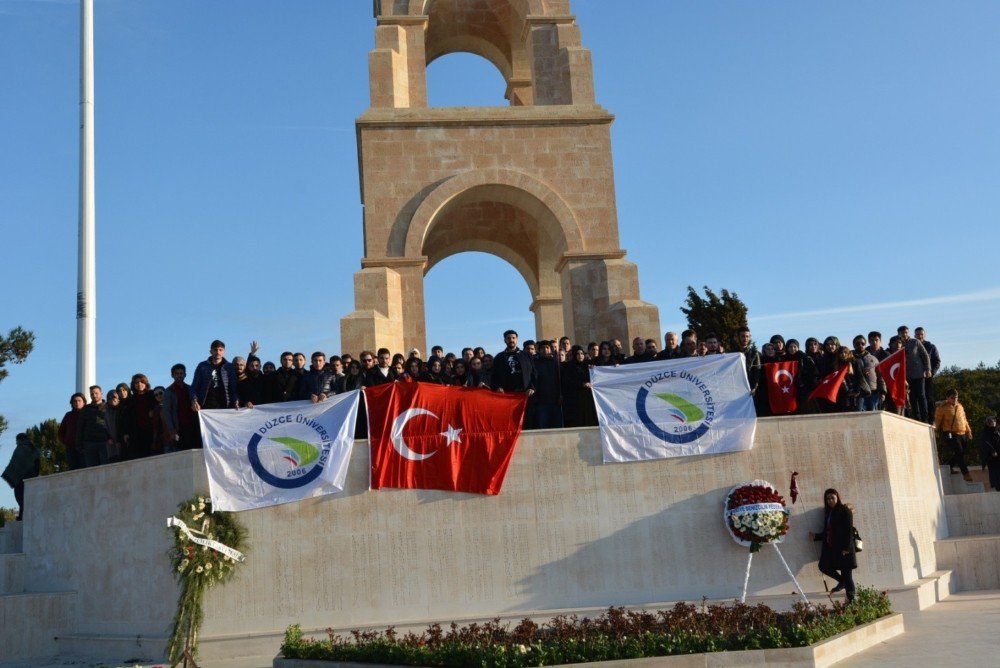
137,420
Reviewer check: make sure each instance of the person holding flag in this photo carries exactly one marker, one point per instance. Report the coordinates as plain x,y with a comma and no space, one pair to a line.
782,379
893,372
806,378
828,390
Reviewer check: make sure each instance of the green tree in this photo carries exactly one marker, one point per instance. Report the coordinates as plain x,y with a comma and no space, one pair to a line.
7,515
14,348
723,315
45,437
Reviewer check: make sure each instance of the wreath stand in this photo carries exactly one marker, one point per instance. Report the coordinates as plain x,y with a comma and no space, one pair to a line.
187,656
746,576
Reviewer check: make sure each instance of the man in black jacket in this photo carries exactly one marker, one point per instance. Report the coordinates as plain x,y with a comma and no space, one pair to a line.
935,356
283,384
315,383
918,368
382,373
92,429
513,370
545,405
24,464
214,384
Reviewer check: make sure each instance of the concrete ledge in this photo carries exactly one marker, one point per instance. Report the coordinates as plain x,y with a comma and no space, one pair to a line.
568,533
915,596
955,484
974,560
822,654
148,649
12,573
30,622
923,593
972,514
491,116
10,537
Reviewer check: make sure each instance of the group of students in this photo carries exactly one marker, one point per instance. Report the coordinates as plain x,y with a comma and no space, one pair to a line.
137,420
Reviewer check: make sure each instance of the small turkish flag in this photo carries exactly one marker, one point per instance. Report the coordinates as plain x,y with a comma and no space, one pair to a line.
893,370
781,386
830,385
428,436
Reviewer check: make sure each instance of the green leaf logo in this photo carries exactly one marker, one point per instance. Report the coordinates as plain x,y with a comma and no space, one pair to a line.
681,409
299,453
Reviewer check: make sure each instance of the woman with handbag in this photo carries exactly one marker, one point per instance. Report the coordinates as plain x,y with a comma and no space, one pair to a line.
953,431
837,558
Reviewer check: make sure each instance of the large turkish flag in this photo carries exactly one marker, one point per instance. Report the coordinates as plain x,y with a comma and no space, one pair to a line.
782,383
893,370
427,436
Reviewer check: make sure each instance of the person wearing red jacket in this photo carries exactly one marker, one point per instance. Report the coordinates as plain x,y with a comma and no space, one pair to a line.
68,435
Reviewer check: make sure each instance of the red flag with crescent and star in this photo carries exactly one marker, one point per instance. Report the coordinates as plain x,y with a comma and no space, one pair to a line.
427,436
893,370
782,378
830,385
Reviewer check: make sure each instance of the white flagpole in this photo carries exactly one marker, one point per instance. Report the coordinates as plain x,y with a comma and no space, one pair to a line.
86,285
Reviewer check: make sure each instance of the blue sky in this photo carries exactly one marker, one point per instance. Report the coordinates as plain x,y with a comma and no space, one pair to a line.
835,164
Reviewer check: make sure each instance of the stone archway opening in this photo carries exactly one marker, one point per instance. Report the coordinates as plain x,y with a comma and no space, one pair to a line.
511,224
463,313
482,84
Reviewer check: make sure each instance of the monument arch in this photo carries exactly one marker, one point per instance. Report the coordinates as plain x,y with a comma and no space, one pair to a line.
531,183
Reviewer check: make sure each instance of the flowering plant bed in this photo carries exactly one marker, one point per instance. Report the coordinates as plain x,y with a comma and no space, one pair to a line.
617,634
755,514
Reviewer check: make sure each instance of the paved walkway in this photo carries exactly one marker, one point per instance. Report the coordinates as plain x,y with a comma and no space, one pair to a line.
962,630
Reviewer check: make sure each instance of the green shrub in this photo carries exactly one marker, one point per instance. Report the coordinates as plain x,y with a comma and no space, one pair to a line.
616,634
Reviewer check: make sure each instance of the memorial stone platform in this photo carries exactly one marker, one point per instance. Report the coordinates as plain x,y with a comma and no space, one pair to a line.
567,533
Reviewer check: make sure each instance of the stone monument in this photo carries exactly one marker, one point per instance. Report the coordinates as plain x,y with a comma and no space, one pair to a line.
531,183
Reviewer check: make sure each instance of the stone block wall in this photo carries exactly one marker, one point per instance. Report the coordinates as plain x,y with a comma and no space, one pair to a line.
566,532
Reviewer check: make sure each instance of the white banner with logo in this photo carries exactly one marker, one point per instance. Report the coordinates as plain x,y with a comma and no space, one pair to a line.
277,453
675,408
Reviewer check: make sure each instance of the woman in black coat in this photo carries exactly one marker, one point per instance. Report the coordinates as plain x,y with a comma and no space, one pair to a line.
578,399
837,558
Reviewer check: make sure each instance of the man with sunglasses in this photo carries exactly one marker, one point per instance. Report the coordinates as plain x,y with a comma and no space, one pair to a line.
382,373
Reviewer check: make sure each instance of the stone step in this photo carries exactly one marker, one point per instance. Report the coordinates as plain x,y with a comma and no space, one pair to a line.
12,573
246,651
972,514
30,623
10,537
113,650
954,483
973,560
922,593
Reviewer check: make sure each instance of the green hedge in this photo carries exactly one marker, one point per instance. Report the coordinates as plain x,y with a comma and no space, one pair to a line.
616,634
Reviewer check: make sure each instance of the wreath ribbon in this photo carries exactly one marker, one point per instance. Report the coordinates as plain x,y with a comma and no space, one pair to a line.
756,508
207,542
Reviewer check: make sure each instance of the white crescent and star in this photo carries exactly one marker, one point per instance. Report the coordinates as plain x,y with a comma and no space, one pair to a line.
777,379
892,371
452,435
